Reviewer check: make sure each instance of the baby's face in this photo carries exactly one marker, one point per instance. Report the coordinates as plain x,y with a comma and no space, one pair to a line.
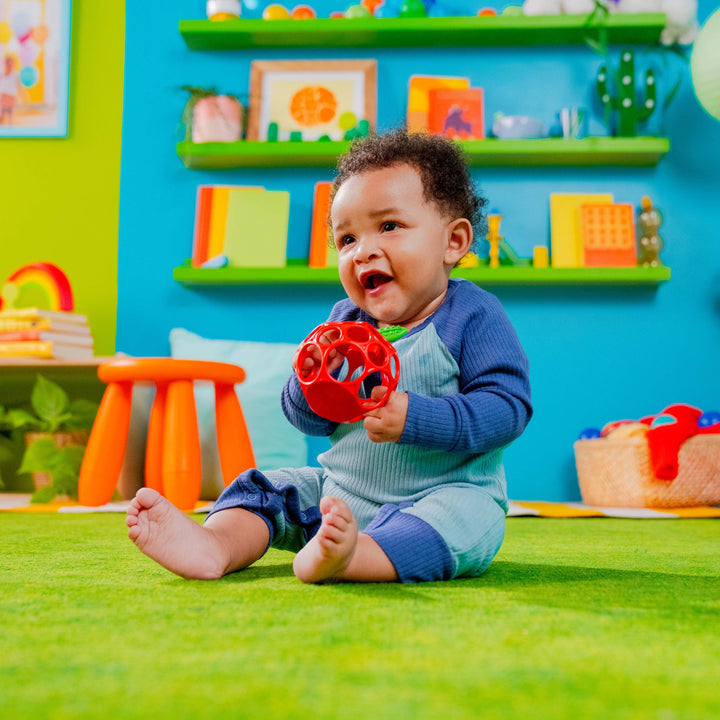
394,250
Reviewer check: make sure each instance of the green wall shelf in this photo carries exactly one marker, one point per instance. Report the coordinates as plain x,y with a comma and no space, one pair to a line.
590,151
295,274
416,32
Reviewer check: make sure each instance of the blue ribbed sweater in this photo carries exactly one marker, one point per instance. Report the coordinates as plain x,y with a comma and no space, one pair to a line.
492,406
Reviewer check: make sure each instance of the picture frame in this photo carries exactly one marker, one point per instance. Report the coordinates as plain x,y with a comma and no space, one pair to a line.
315,98
34,68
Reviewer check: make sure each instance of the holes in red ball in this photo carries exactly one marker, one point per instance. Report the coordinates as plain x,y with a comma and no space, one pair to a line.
329,336
353,365
377,355
357,333
313,352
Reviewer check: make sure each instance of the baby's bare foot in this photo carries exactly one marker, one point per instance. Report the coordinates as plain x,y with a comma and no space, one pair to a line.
328,554
171,538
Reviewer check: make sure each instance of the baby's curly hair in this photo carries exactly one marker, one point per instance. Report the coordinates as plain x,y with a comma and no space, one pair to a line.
439,161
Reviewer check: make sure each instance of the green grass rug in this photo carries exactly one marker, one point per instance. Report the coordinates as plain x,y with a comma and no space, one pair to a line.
578,619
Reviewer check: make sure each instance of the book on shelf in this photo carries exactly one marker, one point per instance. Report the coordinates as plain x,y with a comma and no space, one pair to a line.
321,254
201,238
566,245
211,218
34,313
44,349
457,113
256,228
38,335
419,87
20,324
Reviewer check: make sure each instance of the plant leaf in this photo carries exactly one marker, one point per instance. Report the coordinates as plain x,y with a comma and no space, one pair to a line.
82,414
44,494
19,419
49,401
40,456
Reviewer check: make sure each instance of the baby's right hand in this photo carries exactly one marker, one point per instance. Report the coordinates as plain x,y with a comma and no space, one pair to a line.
313,356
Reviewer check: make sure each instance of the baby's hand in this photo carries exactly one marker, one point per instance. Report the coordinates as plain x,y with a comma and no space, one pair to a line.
313,359
387,423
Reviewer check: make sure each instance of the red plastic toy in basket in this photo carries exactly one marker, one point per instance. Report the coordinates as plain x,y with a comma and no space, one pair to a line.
349,353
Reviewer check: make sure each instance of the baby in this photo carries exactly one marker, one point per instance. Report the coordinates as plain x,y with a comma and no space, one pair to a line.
415,491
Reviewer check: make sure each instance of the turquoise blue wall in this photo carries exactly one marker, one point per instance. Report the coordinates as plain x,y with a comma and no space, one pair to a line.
596,354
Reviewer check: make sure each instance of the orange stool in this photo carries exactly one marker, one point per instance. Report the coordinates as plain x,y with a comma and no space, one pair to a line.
172,456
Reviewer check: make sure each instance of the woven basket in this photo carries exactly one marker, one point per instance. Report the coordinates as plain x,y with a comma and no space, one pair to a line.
618,473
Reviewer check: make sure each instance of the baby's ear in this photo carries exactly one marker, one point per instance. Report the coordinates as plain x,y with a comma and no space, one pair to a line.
460,237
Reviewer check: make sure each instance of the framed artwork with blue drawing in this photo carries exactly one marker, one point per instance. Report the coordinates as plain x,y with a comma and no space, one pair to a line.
34,67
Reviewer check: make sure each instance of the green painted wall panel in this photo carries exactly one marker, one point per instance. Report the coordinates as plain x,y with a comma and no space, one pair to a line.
59,197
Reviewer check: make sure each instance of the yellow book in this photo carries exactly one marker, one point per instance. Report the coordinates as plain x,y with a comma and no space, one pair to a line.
257,228
566,249
16,324
419,88
43,349
33,313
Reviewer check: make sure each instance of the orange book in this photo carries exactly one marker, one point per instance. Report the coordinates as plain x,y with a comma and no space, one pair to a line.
419,87
608,235
457,113
201,238
320,254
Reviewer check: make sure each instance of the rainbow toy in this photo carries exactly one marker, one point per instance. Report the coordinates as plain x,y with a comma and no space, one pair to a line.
38,280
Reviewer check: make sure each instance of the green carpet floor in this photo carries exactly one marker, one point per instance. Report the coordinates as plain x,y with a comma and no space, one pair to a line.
577,619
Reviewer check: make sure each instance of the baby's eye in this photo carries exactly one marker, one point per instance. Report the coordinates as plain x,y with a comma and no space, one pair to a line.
346,240
389,226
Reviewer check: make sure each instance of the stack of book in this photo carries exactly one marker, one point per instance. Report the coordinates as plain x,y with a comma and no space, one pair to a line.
33,332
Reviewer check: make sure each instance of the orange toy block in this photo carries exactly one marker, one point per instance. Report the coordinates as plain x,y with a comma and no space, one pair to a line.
608,235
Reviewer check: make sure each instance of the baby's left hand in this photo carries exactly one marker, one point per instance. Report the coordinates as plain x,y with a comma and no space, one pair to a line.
387,423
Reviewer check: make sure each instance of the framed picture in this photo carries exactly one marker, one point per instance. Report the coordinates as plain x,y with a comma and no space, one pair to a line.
34,67
315,98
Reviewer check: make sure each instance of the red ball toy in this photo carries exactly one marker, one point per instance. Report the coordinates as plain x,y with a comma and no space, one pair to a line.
345,355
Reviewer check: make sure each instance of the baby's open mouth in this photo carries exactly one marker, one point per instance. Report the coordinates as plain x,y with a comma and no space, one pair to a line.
375,280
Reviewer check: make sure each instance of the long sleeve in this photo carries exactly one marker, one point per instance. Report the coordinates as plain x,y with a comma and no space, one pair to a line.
493,405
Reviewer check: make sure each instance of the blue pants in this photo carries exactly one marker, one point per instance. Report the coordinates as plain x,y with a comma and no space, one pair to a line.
454,530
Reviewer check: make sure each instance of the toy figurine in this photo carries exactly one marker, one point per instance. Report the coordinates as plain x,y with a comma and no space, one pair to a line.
649,242
347,360
494,238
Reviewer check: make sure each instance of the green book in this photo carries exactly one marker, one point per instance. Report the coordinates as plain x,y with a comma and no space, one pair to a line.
257,227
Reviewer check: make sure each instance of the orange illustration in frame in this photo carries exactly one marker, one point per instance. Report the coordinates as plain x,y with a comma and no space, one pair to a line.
313,97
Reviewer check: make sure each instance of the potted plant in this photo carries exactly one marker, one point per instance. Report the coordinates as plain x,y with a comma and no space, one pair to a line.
56,432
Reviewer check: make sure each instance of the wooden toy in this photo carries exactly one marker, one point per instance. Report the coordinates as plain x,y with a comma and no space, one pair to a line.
650,243
608,233
494,238
348,359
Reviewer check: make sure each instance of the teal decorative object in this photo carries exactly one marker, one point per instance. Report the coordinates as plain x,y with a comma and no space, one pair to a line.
630,108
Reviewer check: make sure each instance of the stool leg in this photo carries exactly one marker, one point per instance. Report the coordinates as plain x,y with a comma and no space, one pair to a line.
234,445
154,446
105,450
182,472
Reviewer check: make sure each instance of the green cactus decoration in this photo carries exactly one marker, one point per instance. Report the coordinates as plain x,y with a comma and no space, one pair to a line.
630,109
